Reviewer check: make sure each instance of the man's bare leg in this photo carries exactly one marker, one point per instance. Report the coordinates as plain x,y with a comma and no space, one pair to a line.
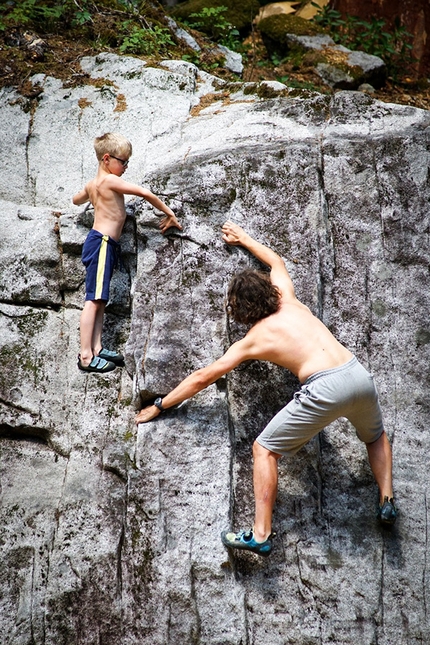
380,460
265,490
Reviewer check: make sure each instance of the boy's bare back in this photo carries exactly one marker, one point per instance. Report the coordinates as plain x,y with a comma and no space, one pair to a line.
109,206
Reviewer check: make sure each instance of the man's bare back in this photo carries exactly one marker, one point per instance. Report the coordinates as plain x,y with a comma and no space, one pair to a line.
295,339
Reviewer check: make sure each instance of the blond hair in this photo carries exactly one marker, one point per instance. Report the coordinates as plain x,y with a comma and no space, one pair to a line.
112,143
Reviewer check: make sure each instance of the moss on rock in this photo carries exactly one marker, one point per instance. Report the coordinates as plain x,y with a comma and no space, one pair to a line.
280,24
275,29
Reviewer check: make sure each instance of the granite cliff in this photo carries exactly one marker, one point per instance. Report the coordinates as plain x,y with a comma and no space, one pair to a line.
110,533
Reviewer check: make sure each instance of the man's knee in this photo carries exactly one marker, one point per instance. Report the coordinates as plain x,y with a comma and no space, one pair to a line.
260,451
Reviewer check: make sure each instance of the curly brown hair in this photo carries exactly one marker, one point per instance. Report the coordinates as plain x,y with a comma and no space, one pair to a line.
251,296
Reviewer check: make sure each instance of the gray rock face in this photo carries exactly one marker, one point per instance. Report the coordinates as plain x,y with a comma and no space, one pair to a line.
110,533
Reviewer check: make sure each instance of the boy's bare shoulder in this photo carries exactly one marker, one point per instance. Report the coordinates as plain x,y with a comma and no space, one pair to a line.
112,182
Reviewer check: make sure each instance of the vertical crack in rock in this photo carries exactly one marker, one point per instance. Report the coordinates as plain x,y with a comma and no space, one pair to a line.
426,549
232,440
324,208
32,594
148,338
197,633
246,626
31,182
181,262
51,549
368,329
119,551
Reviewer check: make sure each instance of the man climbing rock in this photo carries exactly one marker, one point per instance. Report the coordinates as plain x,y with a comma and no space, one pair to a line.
334,384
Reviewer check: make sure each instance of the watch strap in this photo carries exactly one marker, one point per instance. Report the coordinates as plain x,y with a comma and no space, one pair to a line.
159,404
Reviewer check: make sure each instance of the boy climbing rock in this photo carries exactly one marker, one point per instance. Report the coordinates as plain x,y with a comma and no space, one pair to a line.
101,247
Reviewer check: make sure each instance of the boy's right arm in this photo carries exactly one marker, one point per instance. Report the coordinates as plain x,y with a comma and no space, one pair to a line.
279,276
81,198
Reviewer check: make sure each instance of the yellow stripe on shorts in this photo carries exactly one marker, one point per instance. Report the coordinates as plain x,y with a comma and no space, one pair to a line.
101,267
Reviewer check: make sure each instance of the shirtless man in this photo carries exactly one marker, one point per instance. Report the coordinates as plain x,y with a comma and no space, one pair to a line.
101,248
334,384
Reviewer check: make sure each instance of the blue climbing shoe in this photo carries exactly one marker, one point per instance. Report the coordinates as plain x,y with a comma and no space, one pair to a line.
113,357
98,365
245,541
387,512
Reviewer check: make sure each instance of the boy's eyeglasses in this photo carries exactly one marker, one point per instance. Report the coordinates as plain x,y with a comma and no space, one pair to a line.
123,161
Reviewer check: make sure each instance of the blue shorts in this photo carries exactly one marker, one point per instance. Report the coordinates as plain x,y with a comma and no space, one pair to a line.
100,255
345,391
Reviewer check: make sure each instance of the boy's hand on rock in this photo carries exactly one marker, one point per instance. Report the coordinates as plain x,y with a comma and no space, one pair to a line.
168,221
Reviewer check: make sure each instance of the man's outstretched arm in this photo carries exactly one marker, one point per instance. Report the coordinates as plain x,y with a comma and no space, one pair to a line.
200,379
236,236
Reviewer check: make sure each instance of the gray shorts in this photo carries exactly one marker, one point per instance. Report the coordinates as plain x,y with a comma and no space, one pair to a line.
345,391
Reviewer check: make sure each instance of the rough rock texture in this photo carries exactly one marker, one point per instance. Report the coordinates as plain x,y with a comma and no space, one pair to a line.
110,533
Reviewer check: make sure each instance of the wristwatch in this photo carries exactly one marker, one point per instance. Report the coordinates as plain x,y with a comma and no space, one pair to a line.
159,404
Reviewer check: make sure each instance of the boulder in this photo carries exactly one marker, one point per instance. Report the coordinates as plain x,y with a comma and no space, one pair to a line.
338,66
110,532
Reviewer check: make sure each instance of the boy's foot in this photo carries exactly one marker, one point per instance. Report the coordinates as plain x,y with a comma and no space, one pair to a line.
99,365
113,357
245,541
387,512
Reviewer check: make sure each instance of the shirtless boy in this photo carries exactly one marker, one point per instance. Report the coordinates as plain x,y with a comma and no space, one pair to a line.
101,248
334,384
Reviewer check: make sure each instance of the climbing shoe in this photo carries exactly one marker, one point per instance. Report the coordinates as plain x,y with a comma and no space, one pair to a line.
111,356
387,512
97,365
245,541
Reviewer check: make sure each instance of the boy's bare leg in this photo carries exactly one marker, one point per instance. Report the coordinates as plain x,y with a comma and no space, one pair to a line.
90,321
265,490
98,328
380,460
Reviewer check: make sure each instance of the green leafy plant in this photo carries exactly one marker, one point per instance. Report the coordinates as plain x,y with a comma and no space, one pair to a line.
144,41
192,58
298,85
372,37
43,14
212,21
